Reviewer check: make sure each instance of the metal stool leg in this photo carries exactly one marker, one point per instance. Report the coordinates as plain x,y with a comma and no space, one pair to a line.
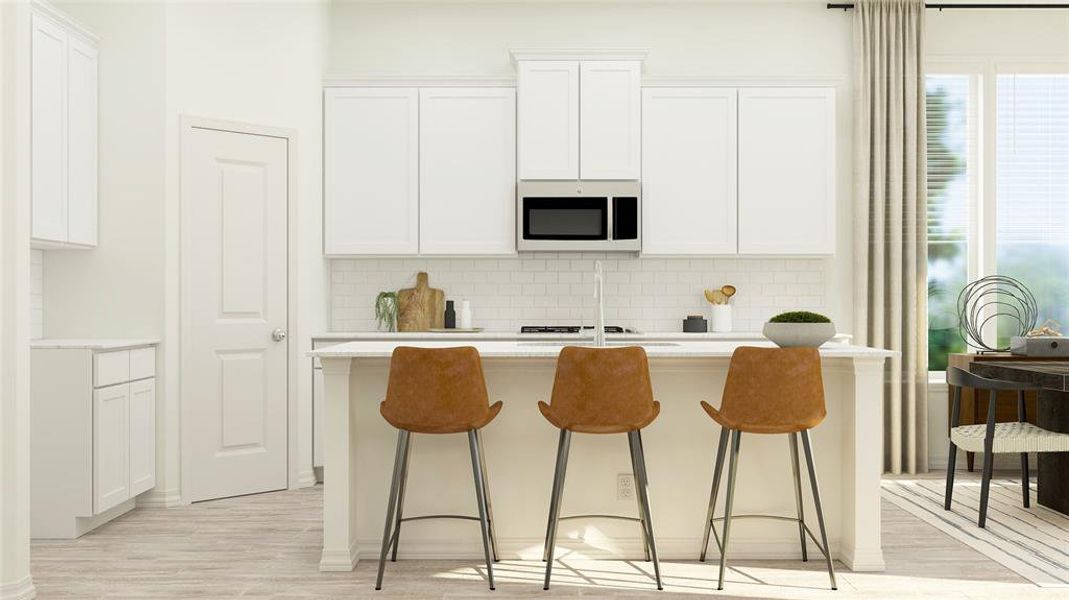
728,501
489,505
718,468
480,495
989,460
638,497
952,454
398,463
793,441
635,437
396,541
816,503
1022,416
554,502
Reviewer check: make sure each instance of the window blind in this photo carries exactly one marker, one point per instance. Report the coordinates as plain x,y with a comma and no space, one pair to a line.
950,136
1033,159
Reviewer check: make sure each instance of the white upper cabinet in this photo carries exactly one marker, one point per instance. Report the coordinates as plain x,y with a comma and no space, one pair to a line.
610,119
548,125
63,132
787,171
689,171
48,130
371,170
81,143
579,119
467,149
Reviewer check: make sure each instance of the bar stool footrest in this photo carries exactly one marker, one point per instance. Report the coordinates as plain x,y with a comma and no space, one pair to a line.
617,517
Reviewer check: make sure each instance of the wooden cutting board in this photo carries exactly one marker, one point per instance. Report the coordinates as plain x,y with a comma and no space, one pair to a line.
420,308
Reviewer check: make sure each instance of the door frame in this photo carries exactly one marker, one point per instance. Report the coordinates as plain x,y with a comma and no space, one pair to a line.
187,124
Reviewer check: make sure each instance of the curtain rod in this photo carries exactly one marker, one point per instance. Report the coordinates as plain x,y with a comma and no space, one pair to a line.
941,6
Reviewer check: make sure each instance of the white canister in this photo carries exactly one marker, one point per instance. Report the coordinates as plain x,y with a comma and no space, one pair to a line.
465,314
720,319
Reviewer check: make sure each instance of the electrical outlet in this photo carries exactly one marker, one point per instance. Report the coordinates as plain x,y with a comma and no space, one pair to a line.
625,486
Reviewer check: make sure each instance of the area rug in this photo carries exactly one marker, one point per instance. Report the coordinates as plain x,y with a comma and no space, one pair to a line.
1032,542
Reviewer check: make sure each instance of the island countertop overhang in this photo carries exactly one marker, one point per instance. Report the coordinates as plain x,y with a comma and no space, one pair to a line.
550,349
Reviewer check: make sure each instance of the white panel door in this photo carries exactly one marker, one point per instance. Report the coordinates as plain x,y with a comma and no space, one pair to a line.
234,256
82,143
371,170
548,119
787,171
111,447
467,171
48,130
142,435
610,111
688,171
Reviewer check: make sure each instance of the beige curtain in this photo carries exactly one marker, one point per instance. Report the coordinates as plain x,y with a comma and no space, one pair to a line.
890,215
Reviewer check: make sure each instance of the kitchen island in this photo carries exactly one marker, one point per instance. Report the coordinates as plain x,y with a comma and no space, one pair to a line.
520,446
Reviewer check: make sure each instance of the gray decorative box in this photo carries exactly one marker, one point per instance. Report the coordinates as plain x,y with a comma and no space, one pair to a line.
1052,346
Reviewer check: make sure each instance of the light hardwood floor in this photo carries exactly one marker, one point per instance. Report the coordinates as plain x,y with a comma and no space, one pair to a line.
267,546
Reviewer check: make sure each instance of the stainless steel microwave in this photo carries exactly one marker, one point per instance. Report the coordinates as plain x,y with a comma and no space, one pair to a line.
601,216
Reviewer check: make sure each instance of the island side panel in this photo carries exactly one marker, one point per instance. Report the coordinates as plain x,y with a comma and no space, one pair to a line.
862,463
340,497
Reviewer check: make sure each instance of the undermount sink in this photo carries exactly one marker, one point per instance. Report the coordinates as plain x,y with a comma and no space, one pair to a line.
590,344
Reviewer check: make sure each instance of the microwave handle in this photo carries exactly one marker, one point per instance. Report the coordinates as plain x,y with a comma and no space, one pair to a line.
610,201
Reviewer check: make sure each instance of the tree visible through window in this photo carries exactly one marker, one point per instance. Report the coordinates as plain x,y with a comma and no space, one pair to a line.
948,135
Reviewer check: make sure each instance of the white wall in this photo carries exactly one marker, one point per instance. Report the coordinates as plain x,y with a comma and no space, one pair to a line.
259,63
37,297
766,41
15,580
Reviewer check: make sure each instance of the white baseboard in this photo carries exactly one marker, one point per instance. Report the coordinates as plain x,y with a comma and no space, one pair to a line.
157,498
306,479
18,590
345,560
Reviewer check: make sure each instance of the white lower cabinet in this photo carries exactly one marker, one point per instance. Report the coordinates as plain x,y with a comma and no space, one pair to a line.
92,437
111,446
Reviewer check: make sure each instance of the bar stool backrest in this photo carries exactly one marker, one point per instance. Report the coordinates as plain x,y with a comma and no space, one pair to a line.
602,388
436,390
774,390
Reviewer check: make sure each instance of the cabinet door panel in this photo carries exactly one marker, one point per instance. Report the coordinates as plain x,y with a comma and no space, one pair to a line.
610,119
111,447
467,171
548,119
142,436
82,143
48,130
371,171
787,171
689,171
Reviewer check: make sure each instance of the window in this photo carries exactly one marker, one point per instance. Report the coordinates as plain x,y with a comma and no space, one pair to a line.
1010,219
949,193
1032,209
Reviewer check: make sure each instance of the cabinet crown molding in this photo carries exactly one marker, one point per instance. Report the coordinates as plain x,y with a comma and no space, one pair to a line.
519,54
419,81
48,9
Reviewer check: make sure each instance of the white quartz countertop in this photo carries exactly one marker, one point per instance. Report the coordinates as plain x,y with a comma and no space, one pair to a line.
513,335
550,349
92,344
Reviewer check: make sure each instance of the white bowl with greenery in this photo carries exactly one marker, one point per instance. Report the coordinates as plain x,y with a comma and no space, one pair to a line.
799,329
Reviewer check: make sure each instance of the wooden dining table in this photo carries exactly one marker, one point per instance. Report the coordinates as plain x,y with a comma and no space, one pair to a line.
1052,414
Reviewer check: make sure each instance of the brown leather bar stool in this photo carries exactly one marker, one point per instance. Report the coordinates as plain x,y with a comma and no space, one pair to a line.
437,390
601,390
769,390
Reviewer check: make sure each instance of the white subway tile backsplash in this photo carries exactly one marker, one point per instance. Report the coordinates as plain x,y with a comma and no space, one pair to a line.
648,294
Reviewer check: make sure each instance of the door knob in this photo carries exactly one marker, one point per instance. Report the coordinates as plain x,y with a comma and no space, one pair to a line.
278,335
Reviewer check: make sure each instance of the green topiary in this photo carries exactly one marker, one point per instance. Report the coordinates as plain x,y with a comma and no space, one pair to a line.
799,316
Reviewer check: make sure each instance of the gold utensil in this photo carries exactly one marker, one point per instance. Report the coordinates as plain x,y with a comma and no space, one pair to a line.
728,290
716,297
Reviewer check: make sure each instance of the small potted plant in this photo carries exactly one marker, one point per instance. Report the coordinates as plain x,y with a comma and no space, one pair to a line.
799,328
386,310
